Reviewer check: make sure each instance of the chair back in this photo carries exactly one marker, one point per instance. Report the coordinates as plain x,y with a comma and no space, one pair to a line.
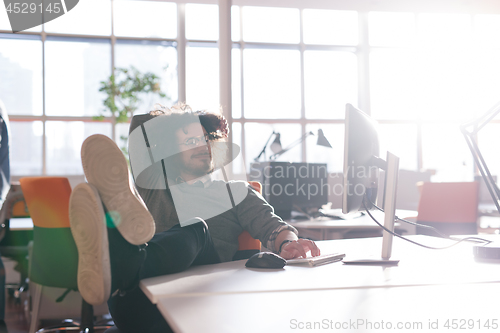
14,206
55,257
247,245
450,207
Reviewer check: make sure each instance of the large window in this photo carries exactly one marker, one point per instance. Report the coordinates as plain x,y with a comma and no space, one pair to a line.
420,72
50,77
293,72
432,73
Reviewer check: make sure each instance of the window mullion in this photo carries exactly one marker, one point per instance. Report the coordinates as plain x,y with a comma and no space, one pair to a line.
364,64
225,66
302,85
44,139
113,43
181,51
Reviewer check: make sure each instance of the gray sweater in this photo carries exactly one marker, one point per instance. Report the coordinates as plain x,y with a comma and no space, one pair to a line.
251,212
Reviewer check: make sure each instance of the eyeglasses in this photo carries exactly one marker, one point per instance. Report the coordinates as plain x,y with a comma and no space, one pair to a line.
194,141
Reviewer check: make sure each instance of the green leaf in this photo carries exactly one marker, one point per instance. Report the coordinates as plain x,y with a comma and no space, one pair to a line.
124,90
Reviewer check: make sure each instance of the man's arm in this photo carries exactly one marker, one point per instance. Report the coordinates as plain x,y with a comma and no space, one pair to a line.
257,217
294,247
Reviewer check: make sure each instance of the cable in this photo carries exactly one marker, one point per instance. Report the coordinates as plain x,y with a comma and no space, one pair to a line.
416,243
473,239
410,222
413,242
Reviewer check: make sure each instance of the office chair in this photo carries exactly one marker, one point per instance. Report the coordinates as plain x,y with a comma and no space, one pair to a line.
54,257
452,208
247,245
14,244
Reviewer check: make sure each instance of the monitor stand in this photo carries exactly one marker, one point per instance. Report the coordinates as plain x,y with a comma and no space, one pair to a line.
489,253
390,189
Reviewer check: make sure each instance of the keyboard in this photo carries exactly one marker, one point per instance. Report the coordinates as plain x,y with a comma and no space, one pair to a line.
316,261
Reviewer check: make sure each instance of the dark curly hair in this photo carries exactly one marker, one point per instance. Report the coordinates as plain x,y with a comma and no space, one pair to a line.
180,116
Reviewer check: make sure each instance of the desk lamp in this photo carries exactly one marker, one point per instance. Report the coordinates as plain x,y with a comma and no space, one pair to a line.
275,146
470,131
322,141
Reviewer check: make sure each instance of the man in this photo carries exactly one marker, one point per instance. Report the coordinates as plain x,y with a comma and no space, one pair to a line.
172,154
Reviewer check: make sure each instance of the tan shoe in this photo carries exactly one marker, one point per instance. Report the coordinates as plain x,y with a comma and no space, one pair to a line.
106,168
88,226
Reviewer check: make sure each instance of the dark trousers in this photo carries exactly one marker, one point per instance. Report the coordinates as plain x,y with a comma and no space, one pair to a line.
167,252
2,291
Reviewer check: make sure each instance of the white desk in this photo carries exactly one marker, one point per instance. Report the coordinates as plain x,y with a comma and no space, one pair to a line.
238,291
324,228
21,223
344,310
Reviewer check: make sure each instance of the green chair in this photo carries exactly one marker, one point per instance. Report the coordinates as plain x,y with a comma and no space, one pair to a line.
54,257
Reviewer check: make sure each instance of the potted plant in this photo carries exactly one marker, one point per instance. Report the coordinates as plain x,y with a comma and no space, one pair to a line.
124,90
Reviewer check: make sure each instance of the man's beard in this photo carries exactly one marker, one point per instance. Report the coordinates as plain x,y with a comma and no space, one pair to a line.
200,171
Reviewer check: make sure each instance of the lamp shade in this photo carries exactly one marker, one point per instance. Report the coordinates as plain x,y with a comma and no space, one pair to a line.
276,145
322,140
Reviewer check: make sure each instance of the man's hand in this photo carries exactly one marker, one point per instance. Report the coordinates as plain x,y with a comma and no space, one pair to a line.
299,248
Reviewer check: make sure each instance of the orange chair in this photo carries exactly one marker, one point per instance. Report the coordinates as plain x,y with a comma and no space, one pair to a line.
247,244
54,257
452,208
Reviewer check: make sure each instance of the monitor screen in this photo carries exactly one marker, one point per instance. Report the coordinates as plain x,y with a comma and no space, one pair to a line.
361,173
361,151
291,186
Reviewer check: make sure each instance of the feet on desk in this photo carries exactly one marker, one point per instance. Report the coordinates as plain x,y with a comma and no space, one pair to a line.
106,168
88,227
106,260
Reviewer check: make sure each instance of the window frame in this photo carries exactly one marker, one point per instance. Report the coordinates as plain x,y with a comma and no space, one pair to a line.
225,45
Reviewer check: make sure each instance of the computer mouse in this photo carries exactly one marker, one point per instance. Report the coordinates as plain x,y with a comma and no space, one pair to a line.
265,260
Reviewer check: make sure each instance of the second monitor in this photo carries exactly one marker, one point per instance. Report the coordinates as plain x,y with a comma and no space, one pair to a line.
290,186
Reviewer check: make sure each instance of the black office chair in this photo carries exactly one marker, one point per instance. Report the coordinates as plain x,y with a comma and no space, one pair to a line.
18,254
14,244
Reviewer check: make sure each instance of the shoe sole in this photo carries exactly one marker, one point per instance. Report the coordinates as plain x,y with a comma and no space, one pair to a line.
88,226
106,168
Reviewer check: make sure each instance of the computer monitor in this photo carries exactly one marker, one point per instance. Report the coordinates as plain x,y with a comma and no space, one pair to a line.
289,186
361,153
361,172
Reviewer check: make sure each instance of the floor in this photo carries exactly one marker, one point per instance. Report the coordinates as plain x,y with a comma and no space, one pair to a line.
15,319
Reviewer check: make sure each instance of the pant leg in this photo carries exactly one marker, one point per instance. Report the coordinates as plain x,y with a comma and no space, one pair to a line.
2,290
134,313
177,249
168,252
